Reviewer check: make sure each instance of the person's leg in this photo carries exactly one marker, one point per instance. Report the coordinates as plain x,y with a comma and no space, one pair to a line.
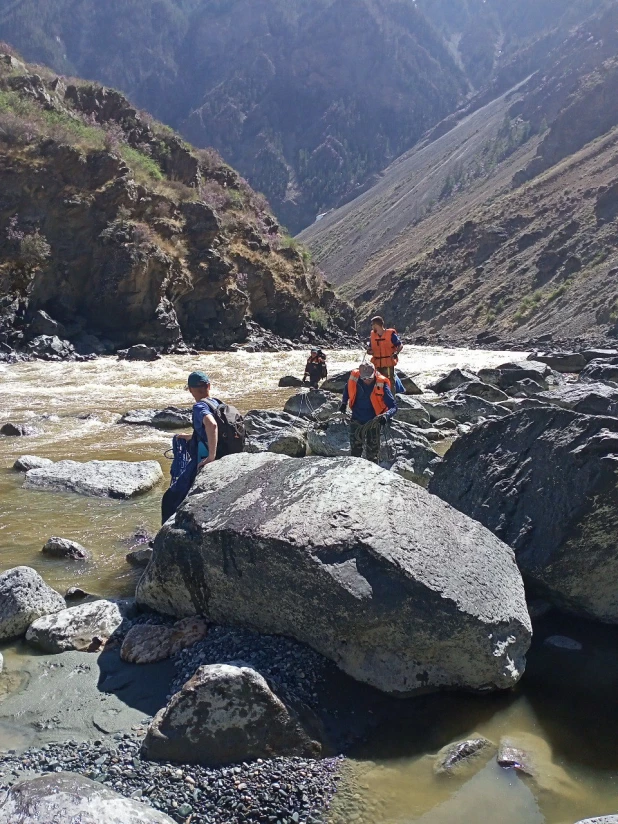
372,444
389,372
356,440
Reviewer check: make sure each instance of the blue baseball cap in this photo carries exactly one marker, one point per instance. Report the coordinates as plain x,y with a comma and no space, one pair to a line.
198,379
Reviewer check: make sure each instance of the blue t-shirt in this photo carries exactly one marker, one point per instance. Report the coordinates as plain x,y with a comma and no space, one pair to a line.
363,410
200,410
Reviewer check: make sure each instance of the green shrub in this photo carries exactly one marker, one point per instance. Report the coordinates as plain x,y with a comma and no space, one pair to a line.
320,318
140,163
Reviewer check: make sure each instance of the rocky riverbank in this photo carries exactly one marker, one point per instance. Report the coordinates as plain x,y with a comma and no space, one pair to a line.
321,588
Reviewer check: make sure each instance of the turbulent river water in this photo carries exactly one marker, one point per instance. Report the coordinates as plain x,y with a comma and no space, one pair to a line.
567,700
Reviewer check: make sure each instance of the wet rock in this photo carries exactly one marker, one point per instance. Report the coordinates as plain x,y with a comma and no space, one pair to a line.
139,557
226,714
68,797
305,404
600,371
410,387
24,597
76,594
290,381
409,410
464,757
586,398
483,390
51,348
15,430
567,362
170,418
531,757
394,609
544,481
86,627
275,432
105,479
28,462
562,642
139,352
462,408
453,380
336,383
330,440
505,375
526,388
599,354
148,643
63,548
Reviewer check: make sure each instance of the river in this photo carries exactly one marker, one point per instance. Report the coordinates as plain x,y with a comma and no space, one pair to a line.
567,700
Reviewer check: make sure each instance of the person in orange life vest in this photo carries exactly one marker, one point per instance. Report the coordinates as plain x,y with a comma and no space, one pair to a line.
384,348
369,396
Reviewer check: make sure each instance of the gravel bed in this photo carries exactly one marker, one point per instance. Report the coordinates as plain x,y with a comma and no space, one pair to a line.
281,791
294,670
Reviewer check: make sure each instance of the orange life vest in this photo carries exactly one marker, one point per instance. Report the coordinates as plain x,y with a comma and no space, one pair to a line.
377,396
382,349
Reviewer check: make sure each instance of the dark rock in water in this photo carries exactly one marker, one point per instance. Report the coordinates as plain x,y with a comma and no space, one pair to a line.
545,481
562,642
388,599
16,430
306,404
42,324
483,390
505,375
63,548
87,344
585,398
290,381
463,757
28,462
68,797
226,714
276,432
51,347
139,352
526,388
336,383
76,594
409,410
410,387
454,379
600,371
105,479
172,418
511,756
600,354
24,597
567,362
139,557
463,408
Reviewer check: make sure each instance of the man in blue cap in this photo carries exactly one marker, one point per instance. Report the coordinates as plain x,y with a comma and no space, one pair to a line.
204,423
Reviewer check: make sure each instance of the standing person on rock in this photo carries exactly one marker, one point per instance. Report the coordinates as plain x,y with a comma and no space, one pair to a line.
200,447
384,348
369,396
315,369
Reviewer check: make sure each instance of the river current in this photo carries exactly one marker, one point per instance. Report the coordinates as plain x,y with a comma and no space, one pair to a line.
566,701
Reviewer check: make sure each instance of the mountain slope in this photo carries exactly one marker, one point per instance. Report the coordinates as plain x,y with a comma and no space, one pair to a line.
116,227
308,100
501,221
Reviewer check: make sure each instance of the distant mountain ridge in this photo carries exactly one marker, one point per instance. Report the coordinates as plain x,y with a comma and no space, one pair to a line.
502,221
308,101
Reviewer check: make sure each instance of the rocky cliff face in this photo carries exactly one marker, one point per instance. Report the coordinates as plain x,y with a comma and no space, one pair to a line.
115,227
502,222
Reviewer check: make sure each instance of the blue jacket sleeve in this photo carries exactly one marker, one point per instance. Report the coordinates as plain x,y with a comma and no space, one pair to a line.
389,400
395,339
346,397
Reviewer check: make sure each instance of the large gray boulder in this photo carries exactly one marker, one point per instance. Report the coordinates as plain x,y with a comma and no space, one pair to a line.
452,380
105,479
24,597
462,408
305,404
226,714
545,481
85,627
483,390
64,548
397,588
336,383
27,462
68,798
566,362
275,432
409,410
600,371
586,398
505,375
170,418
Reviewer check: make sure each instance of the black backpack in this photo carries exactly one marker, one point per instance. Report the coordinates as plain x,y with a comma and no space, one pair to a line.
231,428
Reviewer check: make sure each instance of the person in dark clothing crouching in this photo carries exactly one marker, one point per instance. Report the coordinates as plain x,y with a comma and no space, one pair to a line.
372,403
315,370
